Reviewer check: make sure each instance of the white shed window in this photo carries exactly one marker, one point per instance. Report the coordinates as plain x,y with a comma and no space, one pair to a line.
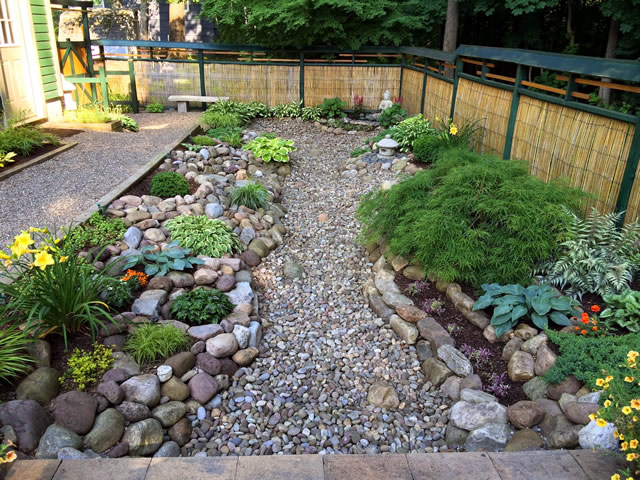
7,37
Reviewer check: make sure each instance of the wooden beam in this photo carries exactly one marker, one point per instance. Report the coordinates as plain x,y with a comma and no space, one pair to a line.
596,83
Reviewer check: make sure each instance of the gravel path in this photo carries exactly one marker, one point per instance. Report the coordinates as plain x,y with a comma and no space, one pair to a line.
54,192
308,392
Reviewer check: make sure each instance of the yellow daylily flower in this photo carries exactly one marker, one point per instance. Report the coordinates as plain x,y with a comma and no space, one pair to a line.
626,410
4,256
42,260
23,239
17,250
453,130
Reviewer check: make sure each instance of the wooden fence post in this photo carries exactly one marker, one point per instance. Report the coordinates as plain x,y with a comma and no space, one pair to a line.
133,88
103,88
515,100
301,88
629,172
456,79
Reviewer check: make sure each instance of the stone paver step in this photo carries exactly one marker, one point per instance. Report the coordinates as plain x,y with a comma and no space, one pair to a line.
536,465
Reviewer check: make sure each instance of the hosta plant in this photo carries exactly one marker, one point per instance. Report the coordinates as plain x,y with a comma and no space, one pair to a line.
622,311
201,306
311,114
204,235
155,108
283,110
7,157
597,257
158,264
515,303
410,130
332,107
253,196
271,149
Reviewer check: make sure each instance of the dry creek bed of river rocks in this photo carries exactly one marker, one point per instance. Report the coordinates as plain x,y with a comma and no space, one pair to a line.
308,392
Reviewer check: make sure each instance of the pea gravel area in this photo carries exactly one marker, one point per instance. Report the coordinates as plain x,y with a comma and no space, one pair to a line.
52,193
323,347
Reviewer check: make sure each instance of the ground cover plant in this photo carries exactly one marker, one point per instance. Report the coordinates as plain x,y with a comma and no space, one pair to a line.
271,149
86,367
172,257
596,257
471,218
332,107
515,303
203,140
23,140
99,231
169,184
204,235
150,342
253,196
202,306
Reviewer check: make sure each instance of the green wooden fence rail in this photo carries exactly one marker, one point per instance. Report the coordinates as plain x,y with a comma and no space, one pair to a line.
575,66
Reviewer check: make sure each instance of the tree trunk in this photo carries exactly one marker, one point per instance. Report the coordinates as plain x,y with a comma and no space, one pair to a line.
176,22
144,20
571,34
449,42
451,27
612,45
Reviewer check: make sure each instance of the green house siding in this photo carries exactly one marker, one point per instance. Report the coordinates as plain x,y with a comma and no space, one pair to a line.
46,56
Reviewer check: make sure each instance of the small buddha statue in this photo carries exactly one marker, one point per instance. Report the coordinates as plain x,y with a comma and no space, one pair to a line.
386,101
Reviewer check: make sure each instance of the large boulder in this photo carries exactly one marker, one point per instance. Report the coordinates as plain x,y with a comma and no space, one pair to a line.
594,436
525,414
55,438
181,432
143,389
181,363
203,387
470,416
134,412
76,411
175,389
521,367
41,386
491,437
144,437
223,345
525,440
383,395
28,419
455,360
106,432
169,413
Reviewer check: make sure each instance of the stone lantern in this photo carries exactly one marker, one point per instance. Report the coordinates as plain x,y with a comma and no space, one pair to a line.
387,148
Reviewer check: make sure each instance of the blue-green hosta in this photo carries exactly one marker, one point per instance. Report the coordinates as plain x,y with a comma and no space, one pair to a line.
271,149
515,303
160,263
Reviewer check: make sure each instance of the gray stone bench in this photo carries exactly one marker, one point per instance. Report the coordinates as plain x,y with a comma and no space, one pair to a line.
182,100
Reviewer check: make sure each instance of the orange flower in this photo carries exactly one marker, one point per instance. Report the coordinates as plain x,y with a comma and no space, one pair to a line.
594,328
577,328
142,277
595,308
584,318
583,332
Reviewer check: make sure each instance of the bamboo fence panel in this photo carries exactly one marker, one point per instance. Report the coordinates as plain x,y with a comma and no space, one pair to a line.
155,81
633,209
588,149
437,99
271,84
489,107
118,84
412,91
322,82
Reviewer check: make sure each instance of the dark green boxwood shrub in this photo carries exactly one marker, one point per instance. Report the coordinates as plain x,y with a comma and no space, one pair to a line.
201,306
169,184
471,218
427,149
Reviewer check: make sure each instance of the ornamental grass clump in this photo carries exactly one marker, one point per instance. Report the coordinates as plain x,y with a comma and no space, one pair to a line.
204,235
15,360
252,195
25,139
150,342
201,306
471,218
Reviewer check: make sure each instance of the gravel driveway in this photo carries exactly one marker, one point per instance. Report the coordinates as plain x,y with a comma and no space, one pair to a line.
54,192
324,346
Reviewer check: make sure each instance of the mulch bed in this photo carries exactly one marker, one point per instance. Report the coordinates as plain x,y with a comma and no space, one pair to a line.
465,333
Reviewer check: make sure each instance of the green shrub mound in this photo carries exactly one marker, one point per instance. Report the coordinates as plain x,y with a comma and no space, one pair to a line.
204,235
392,116
410,130
253,196
586,357
332,107
155,108
427,149
203,140
169,184
150,342
471,218
201,306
